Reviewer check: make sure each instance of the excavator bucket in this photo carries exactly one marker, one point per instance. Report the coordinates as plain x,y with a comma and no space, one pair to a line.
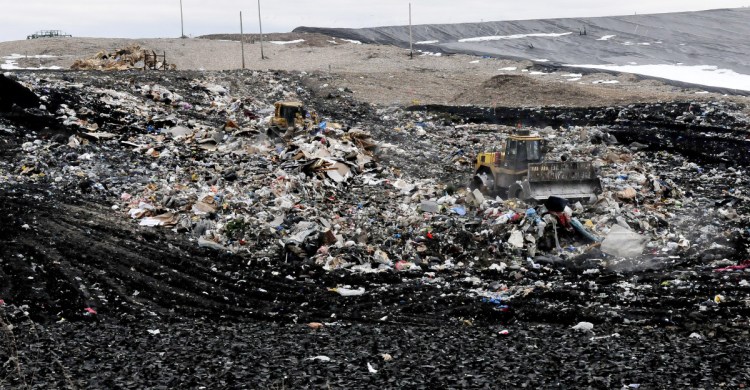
570,180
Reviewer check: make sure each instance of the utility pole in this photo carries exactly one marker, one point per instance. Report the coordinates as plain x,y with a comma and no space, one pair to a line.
242,41
411,47
260,26
182,22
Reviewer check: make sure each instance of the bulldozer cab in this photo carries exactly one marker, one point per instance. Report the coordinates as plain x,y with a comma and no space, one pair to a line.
521,149
289,113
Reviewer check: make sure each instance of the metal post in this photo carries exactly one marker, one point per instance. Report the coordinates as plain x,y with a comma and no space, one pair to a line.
242,41
411,48
260,26
182,22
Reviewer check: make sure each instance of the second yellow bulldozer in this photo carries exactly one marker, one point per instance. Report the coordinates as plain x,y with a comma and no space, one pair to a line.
291,114
517,170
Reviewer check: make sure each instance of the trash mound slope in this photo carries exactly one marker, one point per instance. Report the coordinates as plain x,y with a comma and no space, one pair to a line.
159,216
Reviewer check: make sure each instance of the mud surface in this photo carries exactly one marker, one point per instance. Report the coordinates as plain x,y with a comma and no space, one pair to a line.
92,300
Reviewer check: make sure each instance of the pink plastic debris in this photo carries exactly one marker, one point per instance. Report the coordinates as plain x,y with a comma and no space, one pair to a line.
741,266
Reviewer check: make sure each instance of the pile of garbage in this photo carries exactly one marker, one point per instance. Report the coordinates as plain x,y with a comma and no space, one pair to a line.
203,164
364,218
130,57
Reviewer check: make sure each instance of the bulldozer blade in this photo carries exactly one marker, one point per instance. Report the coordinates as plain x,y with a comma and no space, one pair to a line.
585,190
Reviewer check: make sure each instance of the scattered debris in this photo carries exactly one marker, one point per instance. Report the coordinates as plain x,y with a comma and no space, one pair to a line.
131,57
584,326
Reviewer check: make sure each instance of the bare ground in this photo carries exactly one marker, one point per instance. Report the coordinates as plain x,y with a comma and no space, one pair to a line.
381,75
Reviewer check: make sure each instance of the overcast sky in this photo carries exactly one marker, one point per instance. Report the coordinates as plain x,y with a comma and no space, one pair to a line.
161,18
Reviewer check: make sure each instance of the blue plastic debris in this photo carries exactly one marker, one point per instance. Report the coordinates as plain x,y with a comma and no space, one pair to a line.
498,302
578,226
460,210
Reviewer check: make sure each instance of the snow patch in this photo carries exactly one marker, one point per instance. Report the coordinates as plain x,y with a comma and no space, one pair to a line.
604,82
425,42
474,62
287,42
695,74
11,62
19,56
509,68
352,41
606,37
514,36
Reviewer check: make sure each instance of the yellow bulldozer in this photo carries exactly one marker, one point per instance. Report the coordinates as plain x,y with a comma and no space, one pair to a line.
290,115
517,170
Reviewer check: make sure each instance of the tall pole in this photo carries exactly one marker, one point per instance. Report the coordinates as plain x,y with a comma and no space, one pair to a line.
260,26
242,41
182,22
411,47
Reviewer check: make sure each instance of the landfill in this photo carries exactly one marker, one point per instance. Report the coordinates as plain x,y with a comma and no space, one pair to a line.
158,215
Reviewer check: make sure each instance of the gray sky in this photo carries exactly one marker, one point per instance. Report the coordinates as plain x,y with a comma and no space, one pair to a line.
161,18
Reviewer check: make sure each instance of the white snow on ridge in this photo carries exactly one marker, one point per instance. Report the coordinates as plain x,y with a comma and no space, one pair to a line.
11,62
605,82
352,41
287,42
515,36
9,65
509,68
425,42
697,74
19,56
606,37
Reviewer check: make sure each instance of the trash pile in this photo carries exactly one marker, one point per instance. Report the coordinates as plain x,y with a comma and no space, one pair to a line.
203,164
364,218
130,57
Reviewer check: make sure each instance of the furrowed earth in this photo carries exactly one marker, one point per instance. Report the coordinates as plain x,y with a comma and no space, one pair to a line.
267,271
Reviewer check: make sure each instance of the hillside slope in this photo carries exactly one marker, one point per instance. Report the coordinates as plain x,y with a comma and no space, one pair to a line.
713,38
